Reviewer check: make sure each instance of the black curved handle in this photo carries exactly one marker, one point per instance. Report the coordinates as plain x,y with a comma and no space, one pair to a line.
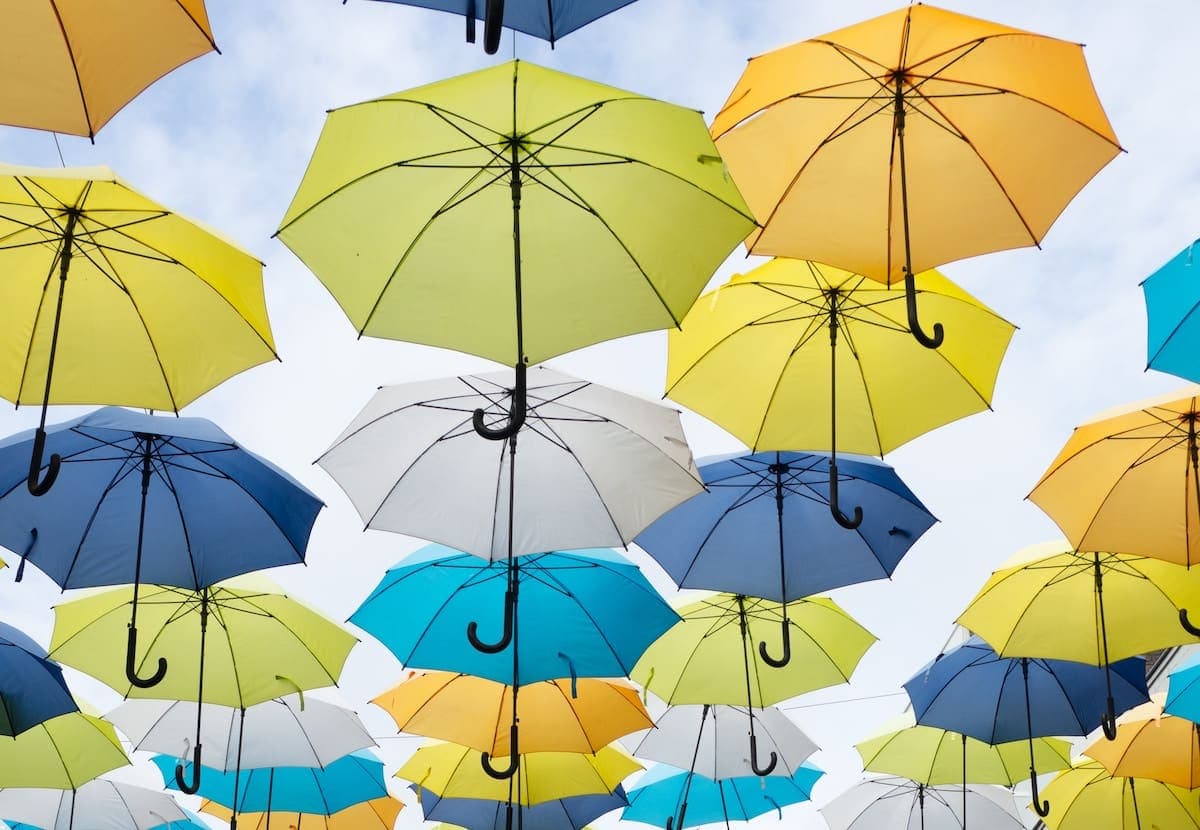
682,813
1042,808
41,486
835,508
1108,721
914,323
760,771
131,665
33,534
1187,624
514,758
505,636
516,407
193,786
787,649
493,20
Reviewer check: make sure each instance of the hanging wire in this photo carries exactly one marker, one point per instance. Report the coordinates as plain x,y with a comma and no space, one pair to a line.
843,700
58,147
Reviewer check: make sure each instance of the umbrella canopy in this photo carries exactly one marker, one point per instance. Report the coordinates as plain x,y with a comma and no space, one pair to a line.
711,741
591,212
69,67
453,771
481,814
62,753
347,781
32,687
977,132
97,805
101,277
1152,744
793,336
376,814
1183,690
900,804
555,715
589,613
1172,334
1089,797
679,799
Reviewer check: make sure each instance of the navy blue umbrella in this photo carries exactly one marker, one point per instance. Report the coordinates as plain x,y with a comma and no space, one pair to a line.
32,688
764,528
973,691
545,19
482,814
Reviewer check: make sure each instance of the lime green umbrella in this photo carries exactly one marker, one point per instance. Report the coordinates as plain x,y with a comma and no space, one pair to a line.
61,753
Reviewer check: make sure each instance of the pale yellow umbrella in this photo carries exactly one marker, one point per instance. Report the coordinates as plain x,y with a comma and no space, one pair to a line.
1152,744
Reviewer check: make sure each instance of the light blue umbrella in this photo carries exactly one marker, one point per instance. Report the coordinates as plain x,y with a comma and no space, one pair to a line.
481,814
32,688
1183,691
765,528
1172,296
669,797
348,781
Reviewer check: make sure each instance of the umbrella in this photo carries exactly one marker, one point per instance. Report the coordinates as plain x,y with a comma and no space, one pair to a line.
481,814
762,528
694,661
1089,797
545,19
614,210
665,796
102,277
69,67
61,753
979,132
1172,338
266,645
555,715
376,814
709,740
203,507
32,688
764,347
972,690
99,804
1152,744
1183,691
900,804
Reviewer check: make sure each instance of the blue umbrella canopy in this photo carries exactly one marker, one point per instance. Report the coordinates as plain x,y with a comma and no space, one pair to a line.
345,782
662,793
584,613
482,814
1183,691
32,688
1172,295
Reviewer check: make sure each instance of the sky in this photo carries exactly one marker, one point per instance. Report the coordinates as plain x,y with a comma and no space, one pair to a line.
225,139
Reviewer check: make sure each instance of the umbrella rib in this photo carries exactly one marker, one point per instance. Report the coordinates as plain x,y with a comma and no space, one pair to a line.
173,489
218,613
250,601
120,475
62,28
501,447
196,23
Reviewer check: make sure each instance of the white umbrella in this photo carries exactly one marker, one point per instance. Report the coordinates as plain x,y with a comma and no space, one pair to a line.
900,804
97,805
711,740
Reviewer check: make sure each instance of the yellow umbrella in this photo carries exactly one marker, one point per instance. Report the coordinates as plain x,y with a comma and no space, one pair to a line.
69,67
111,298
1052,601
555,715
377,814
977,132
1086,797
62,753
453,771
1152,744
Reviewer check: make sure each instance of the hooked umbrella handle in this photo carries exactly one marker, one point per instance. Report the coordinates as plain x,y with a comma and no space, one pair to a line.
914,322
193,786
516,407
510,603
1108,720
514,758
834,508
131,665
760,771
787,649
1042,808
39,486
1187,624
671,819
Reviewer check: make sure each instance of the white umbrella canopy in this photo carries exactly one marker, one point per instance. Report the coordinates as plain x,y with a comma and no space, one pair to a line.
291,731
711,740
97,805
594,467
888,803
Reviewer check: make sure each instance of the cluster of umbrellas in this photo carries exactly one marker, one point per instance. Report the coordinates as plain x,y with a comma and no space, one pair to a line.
860,160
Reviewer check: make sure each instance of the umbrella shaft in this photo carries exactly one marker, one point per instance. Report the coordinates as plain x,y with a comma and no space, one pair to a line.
64,265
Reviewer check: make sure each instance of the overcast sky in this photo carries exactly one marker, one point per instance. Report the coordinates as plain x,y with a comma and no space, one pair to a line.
226,139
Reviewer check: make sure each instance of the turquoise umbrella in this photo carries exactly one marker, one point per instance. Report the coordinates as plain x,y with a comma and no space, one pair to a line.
1183,691
673,798
1173,323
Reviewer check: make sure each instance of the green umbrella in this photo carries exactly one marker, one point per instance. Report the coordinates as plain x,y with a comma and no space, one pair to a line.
61,753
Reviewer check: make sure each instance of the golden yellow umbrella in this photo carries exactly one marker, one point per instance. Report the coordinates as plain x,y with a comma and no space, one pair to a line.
70,66
555,715
976,132
377,814
1087,797
1152,744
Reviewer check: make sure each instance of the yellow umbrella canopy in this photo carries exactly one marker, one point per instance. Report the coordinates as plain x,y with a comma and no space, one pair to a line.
61,753
454,771
772,350
1128,481
555,715
70,65
1154,745
911,140
1087,797
376,814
